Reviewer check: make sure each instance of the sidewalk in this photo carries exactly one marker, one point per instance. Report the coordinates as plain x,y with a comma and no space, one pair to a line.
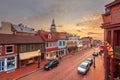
11,75
24,71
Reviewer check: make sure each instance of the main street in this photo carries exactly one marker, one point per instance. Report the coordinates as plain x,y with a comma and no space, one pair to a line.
67,69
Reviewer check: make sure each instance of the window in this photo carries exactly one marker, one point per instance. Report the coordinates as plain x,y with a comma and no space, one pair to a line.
23,48
54,44
60,43
10,63
107,11
50,44
0,50
63,43
32,47
49,36
41,45
46,44
9,49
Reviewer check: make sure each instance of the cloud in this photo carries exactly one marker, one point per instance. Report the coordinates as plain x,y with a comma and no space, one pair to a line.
78,30
90,21
60,26
89,33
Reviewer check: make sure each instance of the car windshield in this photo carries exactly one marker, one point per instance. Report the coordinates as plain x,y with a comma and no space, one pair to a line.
88,60
83,66
95,52
50,62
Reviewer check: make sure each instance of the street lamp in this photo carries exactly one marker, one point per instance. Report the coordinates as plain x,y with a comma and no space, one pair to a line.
94,61
39,54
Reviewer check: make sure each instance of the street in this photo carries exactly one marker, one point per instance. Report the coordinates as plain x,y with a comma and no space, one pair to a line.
67,69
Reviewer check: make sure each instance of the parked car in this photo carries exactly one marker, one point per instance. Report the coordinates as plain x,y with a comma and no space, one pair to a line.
83,68
89,60
95,53
51,64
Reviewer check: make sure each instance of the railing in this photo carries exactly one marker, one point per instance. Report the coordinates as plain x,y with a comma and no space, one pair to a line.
116,50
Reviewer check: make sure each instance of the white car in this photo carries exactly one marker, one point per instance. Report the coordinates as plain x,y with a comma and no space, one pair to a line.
83,68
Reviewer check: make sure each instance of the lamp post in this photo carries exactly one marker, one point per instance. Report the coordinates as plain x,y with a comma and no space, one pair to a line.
39,54
94,58
94,61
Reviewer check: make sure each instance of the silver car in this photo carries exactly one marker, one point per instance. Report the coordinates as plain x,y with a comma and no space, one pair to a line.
83,68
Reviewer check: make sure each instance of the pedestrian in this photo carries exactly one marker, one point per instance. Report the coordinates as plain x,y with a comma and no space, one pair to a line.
60,57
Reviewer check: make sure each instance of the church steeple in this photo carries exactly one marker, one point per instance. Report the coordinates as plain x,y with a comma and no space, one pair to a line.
53,26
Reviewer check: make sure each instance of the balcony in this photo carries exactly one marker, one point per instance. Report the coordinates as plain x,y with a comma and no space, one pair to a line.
116,50
106,19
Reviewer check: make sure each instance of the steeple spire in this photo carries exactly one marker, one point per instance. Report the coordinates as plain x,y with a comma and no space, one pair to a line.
53,26
53,22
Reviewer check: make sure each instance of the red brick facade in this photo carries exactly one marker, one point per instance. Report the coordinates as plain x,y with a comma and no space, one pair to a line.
111,25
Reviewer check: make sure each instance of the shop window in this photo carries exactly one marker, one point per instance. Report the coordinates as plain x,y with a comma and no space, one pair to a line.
0,50
23,48
10,63
9,49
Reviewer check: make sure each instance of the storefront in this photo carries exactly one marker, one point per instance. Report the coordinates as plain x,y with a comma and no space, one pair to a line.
8,63
61,52
50,55
28,58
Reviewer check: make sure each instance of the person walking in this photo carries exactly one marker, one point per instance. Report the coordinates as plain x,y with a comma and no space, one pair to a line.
60,57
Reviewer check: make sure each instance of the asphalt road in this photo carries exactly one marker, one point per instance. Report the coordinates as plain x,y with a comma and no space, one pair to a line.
66,70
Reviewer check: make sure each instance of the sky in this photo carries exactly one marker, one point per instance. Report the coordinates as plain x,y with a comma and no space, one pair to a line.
80,17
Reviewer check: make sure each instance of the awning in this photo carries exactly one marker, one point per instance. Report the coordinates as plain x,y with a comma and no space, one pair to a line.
51,49
28,55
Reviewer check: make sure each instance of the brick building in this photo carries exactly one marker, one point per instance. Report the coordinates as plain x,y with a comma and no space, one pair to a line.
111,26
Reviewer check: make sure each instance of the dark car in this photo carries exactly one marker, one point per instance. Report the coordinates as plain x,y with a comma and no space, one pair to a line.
95,53
51,64
89,60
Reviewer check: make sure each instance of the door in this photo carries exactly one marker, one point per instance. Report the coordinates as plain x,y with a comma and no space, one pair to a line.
1,66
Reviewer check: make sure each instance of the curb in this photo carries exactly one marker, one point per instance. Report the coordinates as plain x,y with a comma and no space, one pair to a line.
28,74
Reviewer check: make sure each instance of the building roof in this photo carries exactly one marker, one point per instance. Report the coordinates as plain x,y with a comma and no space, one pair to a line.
47,36
23,29
60,35
113,3
19,39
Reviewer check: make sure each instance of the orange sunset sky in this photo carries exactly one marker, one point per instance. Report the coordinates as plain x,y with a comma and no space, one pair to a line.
80,17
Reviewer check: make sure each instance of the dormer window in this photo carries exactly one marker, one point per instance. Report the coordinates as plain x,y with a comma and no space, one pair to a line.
49,36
